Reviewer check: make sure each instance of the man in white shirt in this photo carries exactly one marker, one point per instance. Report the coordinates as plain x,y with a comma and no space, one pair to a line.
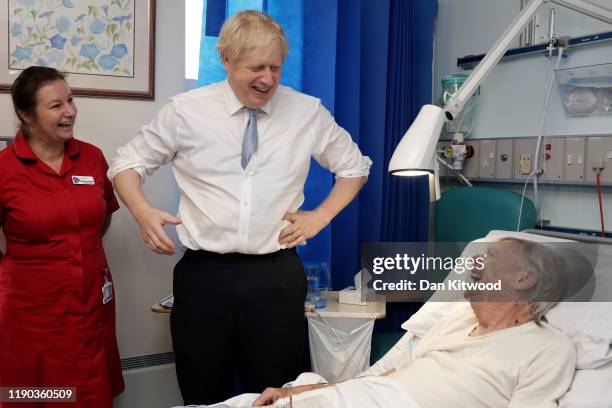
240,150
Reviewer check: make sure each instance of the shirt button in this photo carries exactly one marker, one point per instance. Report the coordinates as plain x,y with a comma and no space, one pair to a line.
245,203
251,173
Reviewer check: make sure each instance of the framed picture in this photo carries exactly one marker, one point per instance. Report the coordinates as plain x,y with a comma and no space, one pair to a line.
106,47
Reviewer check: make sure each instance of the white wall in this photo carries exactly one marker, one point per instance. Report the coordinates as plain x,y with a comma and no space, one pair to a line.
141,277
512,98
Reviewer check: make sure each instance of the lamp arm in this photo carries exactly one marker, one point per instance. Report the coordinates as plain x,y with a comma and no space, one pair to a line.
497,51
455,105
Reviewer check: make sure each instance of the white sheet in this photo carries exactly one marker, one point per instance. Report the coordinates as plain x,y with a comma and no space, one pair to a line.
374,392
371,392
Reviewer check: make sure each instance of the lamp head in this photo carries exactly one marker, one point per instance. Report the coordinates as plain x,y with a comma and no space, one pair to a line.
415,155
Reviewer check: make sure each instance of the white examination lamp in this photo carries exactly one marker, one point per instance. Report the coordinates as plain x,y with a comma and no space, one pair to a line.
415,154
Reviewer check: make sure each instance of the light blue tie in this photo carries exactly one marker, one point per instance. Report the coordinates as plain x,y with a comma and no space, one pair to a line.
249,142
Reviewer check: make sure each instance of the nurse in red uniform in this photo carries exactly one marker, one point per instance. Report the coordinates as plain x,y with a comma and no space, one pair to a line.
57,311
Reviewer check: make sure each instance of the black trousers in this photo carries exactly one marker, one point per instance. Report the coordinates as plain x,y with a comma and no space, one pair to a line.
237,314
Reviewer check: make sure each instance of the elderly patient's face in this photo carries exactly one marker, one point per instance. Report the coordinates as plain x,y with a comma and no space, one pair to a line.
501,263
254,78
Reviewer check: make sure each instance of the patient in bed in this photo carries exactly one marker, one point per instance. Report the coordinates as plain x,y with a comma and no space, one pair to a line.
495,352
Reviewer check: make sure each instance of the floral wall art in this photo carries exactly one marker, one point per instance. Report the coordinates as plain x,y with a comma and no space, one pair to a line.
80,36
106,46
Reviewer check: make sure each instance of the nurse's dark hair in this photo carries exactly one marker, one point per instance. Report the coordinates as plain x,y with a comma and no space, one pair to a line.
26,86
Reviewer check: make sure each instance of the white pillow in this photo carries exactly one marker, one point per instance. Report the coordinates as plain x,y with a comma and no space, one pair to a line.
589,325
589,389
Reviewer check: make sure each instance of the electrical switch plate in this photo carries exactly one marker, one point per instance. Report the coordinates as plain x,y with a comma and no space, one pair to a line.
574,159
552,159
503,164
470,165
524,149
525,163
486,169
599,149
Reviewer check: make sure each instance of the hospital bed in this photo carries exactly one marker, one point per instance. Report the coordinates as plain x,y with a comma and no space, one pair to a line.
588,324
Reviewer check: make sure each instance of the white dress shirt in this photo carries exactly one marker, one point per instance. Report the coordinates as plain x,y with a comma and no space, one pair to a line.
224,208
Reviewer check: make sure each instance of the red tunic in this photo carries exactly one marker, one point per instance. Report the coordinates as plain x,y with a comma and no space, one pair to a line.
54,328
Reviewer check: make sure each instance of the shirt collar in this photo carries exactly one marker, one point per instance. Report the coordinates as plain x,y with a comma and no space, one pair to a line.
234,104
22,148
24,152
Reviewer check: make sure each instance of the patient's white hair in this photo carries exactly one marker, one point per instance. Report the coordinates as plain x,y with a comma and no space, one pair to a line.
549,268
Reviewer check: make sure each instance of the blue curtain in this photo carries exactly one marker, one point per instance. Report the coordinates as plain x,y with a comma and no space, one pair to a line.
370,61
405,212
384,76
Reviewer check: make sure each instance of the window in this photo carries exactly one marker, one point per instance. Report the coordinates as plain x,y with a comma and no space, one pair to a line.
193,33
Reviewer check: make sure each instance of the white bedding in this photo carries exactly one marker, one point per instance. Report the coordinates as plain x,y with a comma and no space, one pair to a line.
590,389
371,392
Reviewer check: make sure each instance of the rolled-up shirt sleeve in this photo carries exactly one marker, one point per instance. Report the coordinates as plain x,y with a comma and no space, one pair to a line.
154,146
334,148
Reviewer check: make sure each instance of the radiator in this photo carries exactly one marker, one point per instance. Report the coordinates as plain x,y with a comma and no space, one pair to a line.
150,382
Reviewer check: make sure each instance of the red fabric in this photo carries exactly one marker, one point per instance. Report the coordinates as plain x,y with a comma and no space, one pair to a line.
54,328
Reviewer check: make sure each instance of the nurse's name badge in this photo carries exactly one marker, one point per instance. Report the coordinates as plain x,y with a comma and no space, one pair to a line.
83,180
107,292
107,288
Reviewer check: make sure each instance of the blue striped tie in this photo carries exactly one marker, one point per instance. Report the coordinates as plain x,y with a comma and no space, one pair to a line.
249,142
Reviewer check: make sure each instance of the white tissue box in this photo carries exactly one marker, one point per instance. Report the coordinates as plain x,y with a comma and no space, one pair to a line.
350,296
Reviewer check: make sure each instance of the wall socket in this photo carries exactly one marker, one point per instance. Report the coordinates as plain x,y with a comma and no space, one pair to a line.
488,154
574,158
599,152
525,163
523,157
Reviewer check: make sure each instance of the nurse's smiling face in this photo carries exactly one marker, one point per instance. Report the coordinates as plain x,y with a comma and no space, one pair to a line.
52,120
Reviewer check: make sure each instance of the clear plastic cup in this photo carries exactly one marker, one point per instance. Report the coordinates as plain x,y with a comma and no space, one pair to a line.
320,298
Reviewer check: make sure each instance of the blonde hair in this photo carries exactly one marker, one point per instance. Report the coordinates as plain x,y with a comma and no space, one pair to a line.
247,31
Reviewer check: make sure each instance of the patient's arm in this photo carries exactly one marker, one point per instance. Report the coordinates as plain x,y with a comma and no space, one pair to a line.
271,395
546,379
398,356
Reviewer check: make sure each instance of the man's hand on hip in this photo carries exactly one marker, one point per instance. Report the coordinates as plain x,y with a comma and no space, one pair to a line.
151,222
304,225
